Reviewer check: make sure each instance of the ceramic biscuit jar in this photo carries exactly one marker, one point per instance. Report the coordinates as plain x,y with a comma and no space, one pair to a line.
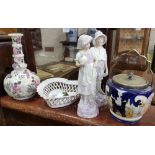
129,96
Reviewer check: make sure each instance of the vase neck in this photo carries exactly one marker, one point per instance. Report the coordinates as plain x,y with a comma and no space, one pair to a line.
18,55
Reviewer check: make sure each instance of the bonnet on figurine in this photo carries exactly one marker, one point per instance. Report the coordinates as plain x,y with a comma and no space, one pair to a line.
83,40
100,34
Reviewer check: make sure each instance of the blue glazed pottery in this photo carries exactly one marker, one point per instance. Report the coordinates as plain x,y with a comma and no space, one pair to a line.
129,88
128,104
72,35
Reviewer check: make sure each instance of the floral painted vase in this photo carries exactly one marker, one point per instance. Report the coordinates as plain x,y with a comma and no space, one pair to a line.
21,83
129,94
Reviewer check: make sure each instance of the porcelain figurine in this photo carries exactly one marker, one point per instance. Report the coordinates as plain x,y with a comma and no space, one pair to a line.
87,107
21,83
101,60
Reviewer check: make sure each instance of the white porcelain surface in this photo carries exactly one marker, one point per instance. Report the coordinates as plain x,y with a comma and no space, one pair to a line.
21,83
51,90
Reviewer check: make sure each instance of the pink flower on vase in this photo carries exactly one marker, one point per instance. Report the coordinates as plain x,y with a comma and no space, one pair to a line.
15,51
18,40
27,73
35,82
16,88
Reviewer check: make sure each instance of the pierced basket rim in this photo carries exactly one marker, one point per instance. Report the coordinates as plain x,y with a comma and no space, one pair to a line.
41,86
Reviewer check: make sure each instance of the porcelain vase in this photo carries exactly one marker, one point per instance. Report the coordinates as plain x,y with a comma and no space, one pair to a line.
21,83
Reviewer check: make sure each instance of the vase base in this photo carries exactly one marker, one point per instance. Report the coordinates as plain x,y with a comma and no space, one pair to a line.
124,119
24,98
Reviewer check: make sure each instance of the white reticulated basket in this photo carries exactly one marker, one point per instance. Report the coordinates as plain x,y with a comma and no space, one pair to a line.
51,90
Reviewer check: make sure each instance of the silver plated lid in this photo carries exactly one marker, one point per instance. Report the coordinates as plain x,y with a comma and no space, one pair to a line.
130,80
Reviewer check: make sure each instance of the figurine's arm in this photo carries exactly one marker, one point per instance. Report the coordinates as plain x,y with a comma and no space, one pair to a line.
94,57
95,63
78,64
105,64
106,68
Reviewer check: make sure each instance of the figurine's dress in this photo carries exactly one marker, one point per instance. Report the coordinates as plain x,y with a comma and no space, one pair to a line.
101,62
87,106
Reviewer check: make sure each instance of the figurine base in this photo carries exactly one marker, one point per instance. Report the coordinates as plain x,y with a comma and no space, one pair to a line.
125,120
87,111
83,115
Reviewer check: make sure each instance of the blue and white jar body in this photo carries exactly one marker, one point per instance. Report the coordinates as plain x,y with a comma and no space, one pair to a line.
128,104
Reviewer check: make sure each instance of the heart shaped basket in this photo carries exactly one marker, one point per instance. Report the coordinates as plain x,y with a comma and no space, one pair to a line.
58,92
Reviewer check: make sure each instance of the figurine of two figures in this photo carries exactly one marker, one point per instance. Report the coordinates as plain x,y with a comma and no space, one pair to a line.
92,63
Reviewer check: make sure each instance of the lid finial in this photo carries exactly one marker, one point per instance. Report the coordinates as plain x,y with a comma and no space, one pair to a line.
130,75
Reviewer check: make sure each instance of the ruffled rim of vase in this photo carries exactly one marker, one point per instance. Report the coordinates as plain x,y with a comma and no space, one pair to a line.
15,34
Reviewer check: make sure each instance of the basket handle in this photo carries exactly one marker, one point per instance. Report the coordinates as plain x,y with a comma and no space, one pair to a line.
124,59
